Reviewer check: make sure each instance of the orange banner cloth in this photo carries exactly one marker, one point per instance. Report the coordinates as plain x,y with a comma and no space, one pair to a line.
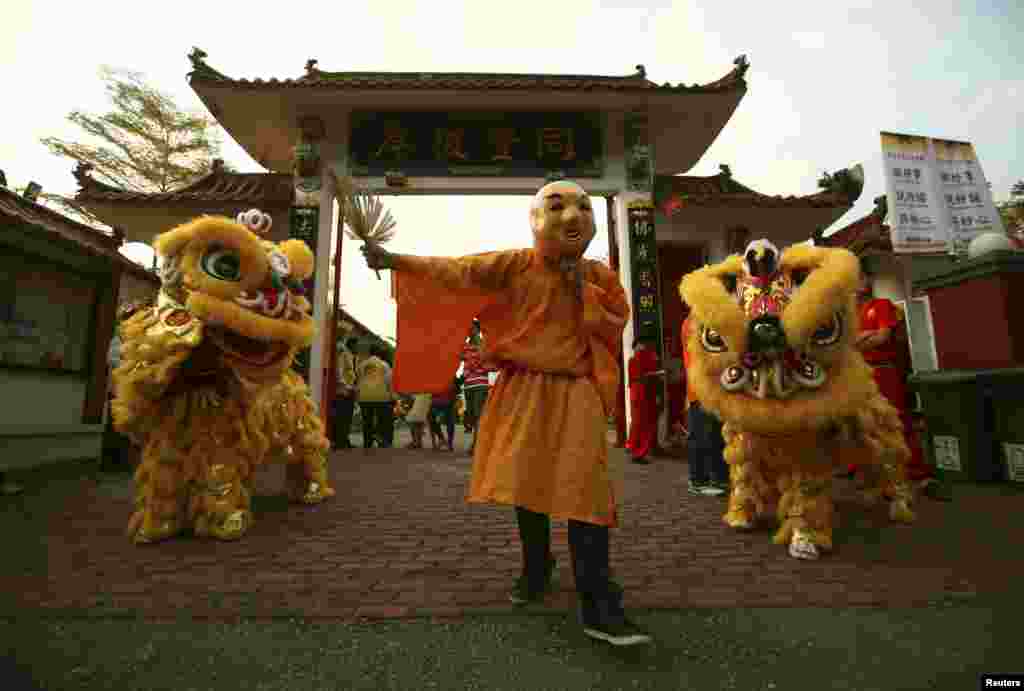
542,442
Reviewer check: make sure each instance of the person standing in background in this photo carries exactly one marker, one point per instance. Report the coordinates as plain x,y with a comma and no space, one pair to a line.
643,401
442,406
417,419
705,449
116,446
345,398
882,342
375,399
477,384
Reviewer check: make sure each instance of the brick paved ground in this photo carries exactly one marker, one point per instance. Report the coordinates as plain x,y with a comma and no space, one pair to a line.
399,540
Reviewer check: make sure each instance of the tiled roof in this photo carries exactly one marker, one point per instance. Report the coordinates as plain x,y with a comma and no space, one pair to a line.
863,234
681,191
265,189
20,210
316,78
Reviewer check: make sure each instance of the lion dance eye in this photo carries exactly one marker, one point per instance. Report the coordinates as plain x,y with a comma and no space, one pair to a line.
828,335
222,264
711,340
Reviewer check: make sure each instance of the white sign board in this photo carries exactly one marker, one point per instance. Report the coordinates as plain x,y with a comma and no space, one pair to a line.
916,213
938,197
965,194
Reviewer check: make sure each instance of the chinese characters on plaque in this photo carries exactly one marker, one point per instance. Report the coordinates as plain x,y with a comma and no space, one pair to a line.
937,194
644,251
965,194
489,144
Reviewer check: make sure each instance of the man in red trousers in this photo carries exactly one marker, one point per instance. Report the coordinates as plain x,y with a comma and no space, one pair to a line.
879,341
643,401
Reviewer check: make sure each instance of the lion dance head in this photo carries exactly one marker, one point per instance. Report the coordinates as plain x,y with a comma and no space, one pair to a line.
245,292
773,348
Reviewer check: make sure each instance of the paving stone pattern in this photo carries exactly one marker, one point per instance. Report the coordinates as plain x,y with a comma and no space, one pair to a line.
399,540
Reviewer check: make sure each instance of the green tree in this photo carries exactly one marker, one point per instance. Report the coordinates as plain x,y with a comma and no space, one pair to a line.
145,143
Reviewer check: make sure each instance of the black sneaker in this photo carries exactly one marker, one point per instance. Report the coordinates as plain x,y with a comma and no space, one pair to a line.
522,594
606,621
705,490
619,631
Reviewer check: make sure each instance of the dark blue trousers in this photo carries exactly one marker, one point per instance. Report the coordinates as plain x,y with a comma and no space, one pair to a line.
706,448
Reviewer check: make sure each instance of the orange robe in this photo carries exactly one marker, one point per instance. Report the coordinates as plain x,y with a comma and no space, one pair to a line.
643,404
542,442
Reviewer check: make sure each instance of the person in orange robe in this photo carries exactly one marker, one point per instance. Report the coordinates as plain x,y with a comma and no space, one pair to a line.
880,321
554,321
643,402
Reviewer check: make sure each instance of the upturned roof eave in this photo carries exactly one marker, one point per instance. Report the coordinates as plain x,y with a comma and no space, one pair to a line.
314,78
221,94
207,190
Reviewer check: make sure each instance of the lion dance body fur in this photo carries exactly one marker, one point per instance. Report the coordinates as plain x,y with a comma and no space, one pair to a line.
773,356
205,385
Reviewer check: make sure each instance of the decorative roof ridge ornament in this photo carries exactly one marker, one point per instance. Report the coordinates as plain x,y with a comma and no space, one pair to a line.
726,171
742,65
311,67
641,72
199,67
848,182
881,209
81,173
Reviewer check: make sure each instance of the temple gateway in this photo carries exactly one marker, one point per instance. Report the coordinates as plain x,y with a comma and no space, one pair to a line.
624,138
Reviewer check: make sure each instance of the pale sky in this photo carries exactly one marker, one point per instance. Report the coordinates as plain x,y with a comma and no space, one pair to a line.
825,78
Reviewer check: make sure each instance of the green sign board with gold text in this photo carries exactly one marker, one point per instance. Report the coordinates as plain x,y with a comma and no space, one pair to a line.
439,144
304,225
644,265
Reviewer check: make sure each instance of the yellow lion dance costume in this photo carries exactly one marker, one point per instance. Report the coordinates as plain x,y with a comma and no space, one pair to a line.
772,355
205,385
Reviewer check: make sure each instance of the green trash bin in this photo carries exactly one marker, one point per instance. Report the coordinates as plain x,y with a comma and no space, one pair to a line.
1005,388
958,413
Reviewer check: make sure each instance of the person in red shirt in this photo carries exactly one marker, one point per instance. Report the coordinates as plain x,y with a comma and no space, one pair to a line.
476,382
881,325
643,401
